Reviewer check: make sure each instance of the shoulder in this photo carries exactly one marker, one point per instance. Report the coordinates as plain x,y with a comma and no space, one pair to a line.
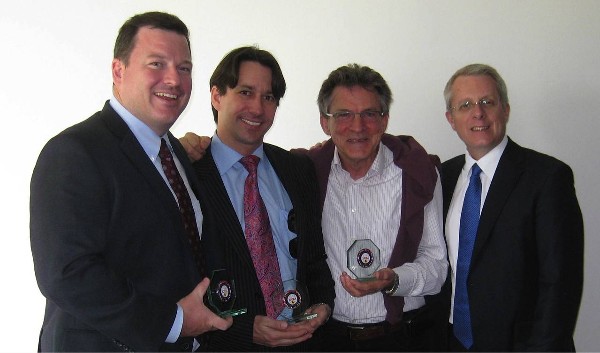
278,154
83,135
454,161
534,160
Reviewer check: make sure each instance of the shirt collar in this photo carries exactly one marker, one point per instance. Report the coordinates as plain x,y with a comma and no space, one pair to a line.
384,158
226,157
489,162
143,133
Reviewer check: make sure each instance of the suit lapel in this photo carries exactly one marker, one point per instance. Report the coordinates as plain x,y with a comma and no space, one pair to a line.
139,159
510,168
212,188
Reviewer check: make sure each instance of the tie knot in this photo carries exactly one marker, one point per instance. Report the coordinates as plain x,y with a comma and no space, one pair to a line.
475,171
164,152
250,163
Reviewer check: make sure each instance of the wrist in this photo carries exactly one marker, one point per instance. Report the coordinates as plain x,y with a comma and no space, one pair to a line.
392,288
327,309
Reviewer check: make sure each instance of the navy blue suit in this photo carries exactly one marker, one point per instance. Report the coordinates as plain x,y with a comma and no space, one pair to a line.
526,274
109,248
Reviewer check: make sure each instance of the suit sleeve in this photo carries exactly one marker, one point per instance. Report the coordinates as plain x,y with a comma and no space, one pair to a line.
318,275
70,227
559,238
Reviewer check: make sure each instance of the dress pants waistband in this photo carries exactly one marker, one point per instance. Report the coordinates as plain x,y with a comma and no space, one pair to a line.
364,332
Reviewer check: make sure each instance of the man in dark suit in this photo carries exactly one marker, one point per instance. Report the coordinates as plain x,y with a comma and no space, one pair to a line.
245,91
111,254
522,288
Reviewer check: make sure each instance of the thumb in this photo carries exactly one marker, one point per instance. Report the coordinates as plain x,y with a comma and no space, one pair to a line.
201,288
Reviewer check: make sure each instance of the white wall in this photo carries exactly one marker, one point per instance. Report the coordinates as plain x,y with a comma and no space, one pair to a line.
55,61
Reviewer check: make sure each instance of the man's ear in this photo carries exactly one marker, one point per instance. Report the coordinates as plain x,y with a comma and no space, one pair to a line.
117,70
215,98
325,125
450,119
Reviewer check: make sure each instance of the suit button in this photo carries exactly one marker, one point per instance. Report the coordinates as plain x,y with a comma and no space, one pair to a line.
186,347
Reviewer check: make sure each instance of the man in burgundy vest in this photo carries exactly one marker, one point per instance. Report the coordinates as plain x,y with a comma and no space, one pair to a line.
384,188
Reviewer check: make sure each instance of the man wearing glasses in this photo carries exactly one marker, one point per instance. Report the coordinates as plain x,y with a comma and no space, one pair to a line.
517,261
383,188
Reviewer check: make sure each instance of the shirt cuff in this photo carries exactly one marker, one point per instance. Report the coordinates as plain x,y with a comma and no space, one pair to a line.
177,326
406,281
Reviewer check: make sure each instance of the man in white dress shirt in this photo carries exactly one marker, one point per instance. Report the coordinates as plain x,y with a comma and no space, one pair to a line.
386,189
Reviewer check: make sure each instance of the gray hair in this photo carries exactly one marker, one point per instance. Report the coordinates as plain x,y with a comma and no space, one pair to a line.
354,75
477,70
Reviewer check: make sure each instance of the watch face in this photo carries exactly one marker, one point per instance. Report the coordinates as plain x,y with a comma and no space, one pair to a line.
365,258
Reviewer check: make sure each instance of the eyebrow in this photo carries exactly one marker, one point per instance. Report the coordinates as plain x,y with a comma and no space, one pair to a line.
162,57
251,88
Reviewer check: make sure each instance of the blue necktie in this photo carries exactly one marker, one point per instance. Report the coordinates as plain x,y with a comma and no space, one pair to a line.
469,221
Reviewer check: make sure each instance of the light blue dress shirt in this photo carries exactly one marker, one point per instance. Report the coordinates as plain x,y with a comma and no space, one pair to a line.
150,142
276,199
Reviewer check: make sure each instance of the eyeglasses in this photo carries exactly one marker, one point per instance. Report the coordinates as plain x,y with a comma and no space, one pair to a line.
344,116
467,106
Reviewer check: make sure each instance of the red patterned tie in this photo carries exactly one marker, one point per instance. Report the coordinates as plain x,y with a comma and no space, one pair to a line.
184,201
259,236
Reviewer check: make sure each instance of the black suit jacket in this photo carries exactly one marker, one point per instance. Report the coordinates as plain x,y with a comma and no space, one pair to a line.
227,246
526,274
109,248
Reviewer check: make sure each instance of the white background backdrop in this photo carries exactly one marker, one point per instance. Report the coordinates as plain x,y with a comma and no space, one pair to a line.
55,64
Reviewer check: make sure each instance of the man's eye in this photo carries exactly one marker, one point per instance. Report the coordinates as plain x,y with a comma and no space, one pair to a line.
487,102
465,105
269,98
245,93
369,114
342,115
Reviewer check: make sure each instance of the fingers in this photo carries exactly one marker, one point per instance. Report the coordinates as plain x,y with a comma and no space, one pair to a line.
201,287
356,288
195,146
275,333
197,318
323,312
220,323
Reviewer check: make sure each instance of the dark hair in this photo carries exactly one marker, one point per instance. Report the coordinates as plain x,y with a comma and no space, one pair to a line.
127,33
226,75
354,75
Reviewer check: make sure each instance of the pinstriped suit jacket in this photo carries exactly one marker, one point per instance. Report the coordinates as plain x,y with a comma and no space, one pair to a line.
226,247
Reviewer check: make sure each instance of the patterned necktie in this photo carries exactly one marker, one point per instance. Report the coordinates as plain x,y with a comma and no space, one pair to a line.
469,221
259,236
185,204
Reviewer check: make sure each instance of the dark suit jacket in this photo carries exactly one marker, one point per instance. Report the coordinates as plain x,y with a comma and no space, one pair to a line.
227,246
109,248
526,273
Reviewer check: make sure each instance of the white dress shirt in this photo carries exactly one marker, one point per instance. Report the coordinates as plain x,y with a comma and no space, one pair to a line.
370,208
488,165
